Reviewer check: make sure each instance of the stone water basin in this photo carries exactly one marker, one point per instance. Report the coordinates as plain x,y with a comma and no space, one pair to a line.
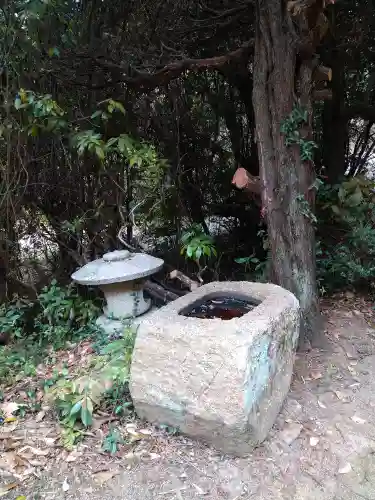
219,379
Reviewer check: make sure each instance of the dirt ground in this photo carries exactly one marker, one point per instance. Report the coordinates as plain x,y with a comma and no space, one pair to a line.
321,447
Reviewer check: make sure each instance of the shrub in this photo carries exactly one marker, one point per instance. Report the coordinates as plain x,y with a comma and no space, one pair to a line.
346,234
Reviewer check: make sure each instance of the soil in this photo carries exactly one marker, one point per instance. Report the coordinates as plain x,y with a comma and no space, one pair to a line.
321,447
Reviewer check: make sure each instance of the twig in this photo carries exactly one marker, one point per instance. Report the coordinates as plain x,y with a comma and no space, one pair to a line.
176,490
178,275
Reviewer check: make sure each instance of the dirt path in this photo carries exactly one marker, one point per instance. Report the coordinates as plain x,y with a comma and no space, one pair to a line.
322,446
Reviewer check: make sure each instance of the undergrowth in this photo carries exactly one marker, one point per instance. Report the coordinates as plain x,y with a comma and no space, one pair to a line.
346,235
61,318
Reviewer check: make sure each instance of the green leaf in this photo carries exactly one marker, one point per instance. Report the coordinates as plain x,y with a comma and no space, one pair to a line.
355,199
242,260
17,103
99,153
76,408
117,105
96,114
86,417
53,51
33,131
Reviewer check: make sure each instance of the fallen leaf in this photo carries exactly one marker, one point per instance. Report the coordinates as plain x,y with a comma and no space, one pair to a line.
35,451
6,489
72,457
199,490
39,417
50,441
131,429
65,485
345,469
9,420
146,432
342,397
9,408
36,463
321,404
291,432
104,476
314,441
358,420
22,497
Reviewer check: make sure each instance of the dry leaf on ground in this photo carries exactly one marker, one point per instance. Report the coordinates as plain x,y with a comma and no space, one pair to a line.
40,416
9,408
314,441
345,469
35,451
104,476
65,485
358,420
4,490
291,432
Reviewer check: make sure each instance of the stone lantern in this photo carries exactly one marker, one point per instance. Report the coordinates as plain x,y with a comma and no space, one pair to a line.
121,276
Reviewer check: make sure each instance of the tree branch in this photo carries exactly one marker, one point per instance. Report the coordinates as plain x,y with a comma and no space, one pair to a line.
172,70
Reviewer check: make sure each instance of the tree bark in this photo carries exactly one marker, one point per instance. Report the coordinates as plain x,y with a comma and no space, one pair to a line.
287,194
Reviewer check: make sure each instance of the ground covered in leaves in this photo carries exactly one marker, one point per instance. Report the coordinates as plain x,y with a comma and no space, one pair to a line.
321,447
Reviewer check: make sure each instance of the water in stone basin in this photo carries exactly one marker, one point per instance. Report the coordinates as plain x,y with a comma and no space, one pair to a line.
224,308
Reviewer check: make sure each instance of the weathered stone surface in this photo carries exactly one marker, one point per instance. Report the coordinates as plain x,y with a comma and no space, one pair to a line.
221,381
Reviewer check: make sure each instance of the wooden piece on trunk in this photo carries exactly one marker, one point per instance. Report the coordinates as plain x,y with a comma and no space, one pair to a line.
322,73
322,94
159,293
243,180
178,275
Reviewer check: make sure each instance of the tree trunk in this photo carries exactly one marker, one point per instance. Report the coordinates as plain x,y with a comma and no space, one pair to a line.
287,193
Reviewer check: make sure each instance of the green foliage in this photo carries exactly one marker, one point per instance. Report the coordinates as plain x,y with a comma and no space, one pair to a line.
112,440
13,317
196,244
346,232
63,315
290,128
19,361
76,399
58,315
42,113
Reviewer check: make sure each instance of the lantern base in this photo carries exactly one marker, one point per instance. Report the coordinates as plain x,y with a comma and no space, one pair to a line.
125,300
116,327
